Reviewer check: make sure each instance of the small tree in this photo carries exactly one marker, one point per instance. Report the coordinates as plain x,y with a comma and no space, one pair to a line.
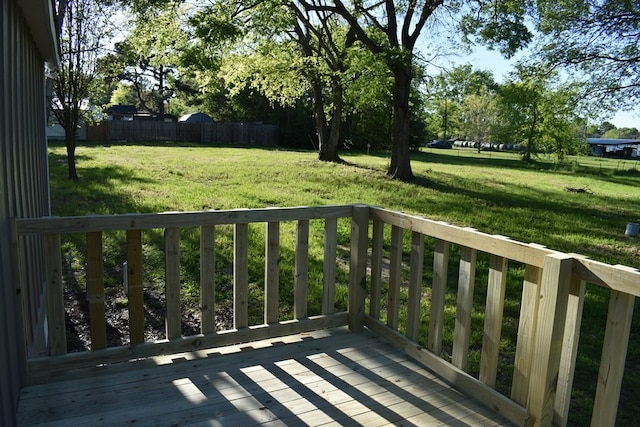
479,117
84,29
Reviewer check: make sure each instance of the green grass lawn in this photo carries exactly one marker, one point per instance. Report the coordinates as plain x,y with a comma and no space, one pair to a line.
582,207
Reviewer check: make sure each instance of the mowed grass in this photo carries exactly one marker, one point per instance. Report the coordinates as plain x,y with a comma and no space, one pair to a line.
583,208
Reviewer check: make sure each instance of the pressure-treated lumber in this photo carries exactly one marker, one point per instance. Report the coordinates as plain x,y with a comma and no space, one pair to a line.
207,279
172,281
95,291
136,291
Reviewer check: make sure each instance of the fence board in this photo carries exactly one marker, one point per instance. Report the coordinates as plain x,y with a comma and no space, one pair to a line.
172,282
496,288
464,306
301,270
95,290
257,134
207,280
136,291
438,290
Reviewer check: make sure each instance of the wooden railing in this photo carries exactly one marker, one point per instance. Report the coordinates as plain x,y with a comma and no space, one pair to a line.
390,282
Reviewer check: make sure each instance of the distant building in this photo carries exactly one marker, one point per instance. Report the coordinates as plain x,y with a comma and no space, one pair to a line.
196,118
121,112
614,147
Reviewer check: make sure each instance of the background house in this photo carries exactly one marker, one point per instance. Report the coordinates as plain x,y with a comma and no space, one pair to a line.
29,46
614,147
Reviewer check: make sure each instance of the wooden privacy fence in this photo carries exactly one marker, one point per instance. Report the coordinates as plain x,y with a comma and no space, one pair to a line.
255,134
390,279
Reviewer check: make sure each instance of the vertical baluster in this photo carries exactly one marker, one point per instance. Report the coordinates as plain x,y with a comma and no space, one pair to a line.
395,270
207,280
612,362
241,276
376,268
569,350
329,265
301,270
415,284
172,282
272,273
95,291
493,320
55,295
464,306
439,287
136,291
526,333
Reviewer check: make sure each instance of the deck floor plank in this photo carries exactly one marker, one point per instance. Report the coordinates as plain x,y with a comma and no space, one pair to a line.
321,378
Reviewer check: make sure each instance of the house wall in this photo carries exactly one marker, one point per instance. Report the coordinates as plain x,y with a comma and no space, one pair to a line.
26,42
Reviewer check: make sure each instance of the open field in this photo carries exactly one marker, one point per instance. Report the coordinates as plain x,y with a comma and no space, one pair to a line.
582,208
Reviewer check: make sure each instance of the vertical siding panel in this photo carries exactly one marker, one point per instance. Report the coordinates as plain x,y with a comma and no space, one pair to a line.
10,377
23,193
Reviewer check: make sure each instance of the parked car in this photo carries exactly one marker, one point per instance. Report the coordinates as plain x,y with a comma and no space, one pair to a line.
440,144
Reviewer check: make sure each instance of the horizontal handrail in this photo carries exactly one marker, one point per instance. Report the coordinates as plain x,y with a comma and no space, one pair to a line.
143,221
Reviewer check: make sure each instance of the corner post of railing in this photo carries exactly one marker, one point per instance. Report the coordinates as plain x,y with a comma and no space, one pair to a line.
358,266
547,349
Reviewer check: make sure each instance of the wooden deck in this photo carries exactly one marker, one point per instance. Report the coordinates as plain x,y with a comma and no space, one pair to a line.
330,377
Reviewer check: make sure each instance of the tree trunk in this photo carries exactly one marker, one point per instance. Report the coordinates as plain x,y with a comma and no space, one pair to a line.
400,158
70,141
531,134
329,151
319,117
161,94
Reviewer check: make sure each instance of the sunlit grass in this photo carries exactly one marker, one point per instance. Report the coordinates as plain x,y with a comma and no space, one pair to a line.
581,207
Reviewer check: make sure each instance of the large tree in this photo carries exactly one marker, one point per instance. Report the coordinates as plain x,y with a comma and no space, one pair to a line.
400,24
84,28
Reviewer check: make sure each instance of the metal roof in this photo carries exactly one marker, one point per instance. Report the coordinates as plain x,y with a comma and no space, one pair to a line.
607,141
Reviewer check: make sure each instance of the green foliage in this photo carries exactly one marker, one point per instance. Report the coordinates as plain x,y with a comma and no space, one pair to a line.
599,39
447,93
622,133
499,24
540,116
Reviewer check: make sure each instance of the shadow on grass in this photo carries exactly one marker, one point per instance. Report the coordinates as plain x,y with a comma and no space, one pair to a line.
629,177
97,191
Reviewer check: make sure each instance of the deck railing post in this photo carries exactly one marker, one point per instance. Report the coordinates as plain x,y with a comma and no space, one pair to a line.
547,348
358,266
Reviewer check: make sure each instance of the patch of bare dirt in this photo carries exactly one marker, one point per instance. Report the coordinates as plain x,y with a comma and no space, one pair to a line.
117,317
